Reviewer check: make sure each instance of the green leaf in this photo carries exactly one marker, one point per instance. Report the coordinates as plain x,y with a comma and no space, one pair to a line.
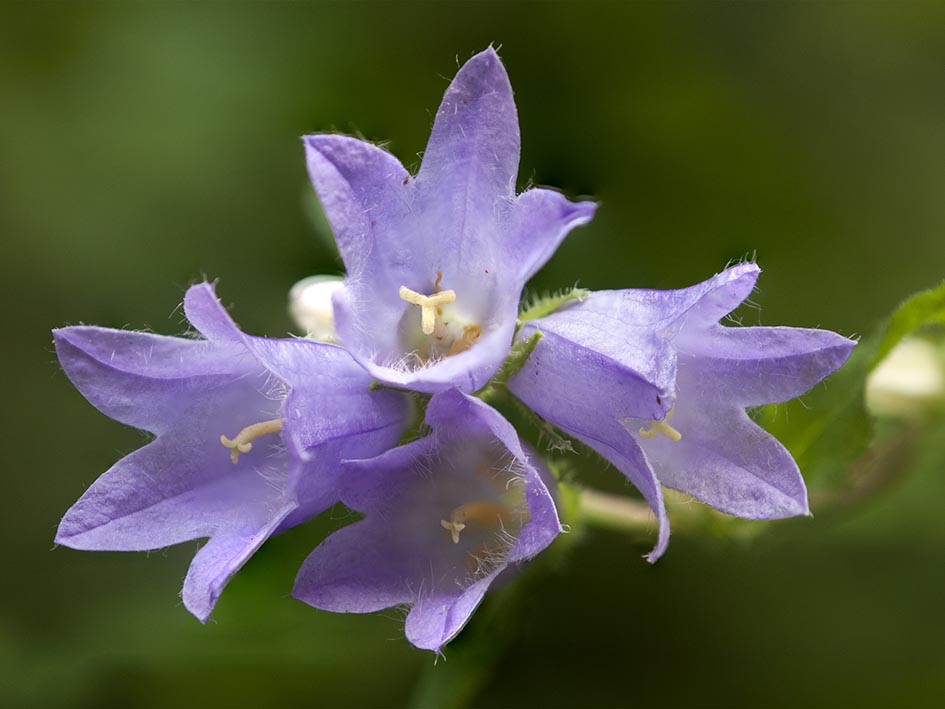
921,309
829,428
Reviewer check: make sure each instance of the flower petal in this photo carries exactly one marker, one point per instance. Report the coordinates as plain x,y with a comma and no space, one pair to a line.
591,340
206,313
166,493
224,554
540,220
441,612
723,457
144,380
355,570
710,301
586,394
471,160
764,365
366,195
614,444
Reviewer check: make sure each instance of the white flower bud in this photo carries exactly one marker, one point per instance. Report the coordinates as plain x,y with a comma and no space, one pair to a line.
908,381
311,308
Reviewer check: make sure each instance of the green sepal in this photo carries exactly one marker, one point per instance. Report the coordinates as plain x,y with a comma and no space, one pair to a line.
540,306
518,355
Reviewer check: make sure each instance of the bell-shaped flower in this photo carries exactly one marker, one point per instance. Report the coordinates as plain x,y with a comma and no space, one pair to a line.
444,516
653,382
248,436
436,263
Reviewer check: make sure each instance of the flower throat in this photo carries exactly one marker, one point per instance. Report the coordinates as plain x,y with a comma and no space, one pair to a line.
441,337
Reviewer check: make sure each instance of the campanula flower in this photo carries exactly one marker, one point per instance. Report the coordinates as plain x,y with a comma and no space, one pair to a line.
444,516
248,435
653,382
436,262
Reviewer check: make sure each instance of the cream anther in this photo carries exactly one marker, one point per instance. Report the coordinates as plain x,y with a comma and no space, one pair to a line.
428,305
243,443
662,427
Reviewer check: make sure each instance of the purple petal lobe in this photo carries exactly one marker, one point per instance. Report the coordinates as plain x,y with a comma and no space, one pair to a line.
764,365
366,195
205,312
141,379
358,569
473,152
715,298
439,614
222,556
540,220
723,458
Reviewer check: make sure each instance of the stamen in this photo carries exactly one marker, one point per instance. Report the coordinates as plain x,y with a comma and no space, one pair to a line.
662,427
243,443
428,305
489,513
466,340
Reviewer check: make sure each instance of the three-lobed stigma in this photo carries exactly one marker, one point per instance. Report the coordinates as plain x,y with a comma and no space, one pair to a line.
663,427
429,304
489,514
243,442
447,337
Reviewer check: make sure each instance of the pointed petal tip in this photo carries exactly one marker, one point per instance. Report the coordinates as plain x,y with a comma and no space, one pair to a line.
200,609
74,336
582,212
747,270
68,533
482,73
487,57
204,310
200,602
663,541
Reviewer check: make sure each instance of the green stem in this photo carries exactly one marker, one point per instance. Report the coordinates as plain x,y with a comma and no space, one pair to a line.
614,511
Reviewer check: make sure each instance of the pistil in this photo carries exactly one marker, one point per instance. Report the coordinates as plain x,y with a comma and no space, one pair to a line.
662,427
243,443
491,514
428,305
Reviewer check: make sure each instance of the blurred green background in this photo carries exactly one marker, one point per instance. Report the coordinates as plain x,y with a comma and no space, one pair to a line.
145,146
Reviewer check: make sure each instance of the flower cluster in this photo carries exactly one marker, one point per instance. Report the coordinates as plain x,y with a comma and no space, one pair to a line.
378,408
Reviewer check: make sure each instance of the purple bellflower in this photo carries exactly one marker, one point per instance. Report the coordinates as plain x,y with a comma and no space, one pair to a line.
436,263
444,516
294,409
651,381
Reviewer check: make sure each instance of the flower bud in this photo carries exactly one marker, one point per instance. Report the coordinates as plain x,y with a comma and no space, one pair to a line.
909,381
311,308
